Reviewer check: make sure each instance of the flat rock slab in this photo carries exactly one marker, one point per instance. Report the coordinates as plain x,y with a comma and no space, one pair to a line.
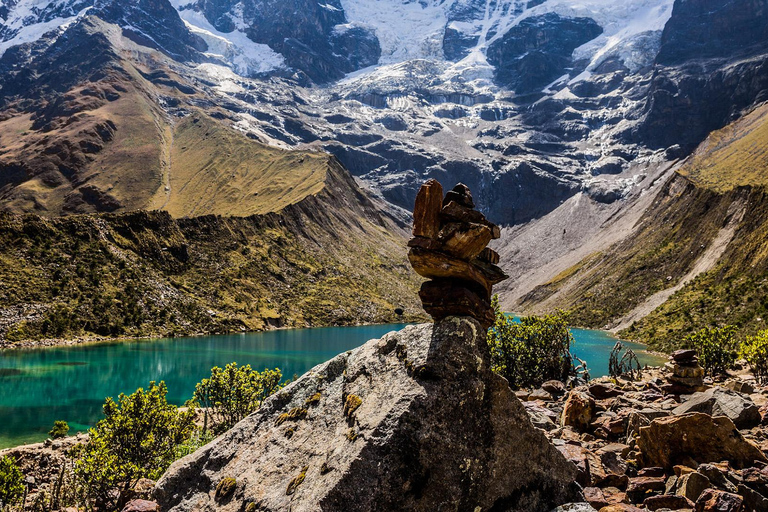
413,421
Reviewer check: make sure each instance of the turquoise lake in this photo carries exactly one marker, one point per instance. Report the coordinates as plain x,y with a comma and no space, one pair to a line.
40,386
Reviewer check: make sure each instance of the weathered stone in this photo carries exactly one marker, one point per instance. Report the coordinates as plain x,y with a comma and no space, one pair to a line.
578,411
713,500
141,506
643,484
554,387
722,402
489,255
437,265
436,428
461,195
668,441
687,372
594,496
716,477
541,417
740,386
667,501
443,298
426,211
602,391
541,394
575,507
683,355
462,240
691,485
577,455
753,500
621,507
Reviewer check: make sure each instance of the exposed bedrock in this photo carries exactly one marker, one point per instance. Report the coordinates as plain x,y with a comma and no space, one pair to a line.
413,421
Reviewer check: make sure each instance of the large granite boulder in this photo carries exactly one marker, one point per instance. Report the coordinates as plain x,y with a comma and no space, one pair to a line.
413,421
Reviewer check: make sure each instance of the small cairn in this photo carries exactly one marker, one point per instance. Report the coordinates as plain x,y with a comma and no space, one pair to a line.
449,247
687,376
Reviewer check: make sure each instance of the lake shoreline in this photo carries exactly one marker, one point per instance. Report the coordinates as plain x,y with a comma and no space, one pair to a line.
96,340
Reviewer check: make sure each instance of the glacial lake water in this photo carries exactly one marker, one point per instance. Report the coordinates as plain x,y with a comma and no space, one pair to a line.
40,386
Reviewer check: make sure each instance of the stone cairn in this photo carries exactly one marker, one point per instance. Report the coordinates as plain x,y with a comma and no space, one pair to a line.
449,247
687,376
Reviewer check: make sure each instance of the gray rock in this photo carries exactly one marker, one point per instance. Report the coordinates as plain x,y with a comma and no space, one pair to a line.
723,402
413,421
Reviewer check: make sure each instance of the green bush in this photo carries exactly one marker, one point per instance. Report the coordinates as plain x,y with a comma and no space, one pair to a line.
138,438
231,394
754,350
532,351
717,348
59,430
11,482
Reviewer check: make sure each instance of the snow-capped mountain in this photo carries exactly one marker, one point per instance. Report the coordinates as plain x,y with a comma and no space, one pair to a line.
528,101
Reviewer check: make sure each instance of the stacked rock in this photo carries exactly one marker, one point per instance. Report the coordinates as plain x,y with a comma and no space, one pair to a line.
449,247
687,376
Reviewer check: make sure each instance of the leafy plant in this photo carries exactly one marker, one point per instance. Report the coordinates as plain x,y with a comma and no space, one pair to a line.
754,350
59,430
532,351
229,395
11,482
717,348
138,438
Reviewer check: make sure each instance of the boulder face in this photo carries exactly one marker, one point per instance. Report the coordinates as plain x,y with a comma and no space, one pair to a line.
413,421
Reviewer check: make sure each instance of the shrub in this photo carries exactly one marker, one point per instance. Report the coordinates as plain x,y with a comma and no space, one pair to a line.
11,482
623,361
138,438
716,347
231,394
532,351
59,430
754,350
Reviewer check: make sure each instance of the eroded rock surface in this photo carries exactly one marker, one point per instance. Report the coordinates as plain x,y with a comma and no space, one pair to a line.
413,421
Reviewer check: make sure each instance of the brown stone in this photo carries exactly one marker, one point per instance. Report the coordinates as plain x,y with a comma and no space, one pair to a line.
141,506
643,484
489,256
436,265
595,497
683,355
713,500
691,485
442,298
621,507
426,211
602,391
454,212
461,195
667,501
668,441
578,411
424,243
464,241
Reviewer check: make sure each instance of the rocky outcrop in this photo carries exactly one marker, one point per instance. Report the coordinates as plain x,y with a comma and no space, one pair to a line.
723,402
449,247
413,421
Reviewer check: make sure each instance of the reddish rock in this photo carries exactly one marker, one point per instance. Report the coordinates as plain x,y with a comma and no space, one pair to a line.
464,241
426,211
602,391
667,501
643,484
578,411
691,485
442,298
672,440
621,507
141,506
461,195
595,497
713,500
684,355
554,387
577,455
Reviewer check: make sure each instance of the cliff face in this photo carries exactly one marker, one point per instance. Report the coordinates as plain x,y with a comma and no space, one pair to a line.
413,421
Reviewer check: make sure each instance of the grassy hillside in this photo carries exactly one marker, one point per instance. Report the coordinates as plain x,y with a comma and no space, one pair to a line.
718,198
144,273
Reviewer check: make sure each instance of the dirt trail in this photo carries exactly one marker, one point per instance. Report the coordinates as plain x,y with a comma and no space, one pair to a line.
705,263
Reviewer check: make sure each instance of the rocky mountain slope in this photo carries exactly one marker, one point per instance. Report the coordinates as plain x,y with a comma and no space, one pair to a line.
330,259
695,257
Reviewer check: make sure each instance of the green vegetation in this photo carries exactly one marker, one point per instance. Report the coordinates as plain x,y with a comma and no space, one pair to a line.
717,348
138,438
59,430
532,351
754,349
144,273
231,394
11,482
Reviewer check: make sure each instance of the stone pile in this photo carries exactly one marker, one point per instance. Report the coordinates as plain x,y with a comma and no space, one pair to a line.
449,247
687,375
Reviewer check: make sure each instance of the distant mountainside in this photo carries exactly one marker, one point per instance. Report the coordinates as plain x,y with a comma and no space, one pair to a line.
563,117
331,258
